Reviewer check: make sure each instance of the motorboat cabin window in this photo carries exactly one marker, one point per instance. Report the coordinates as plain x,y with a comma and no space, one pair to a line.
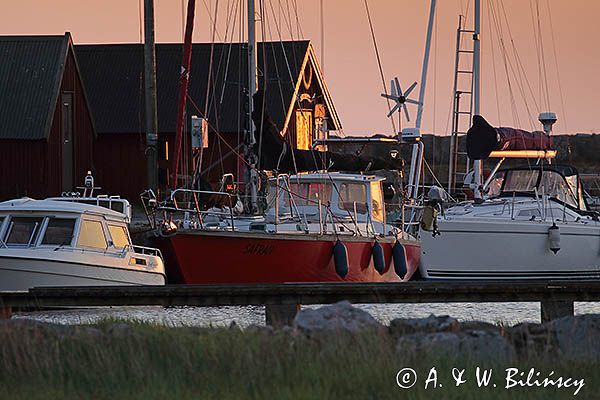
23,230
91,235
118,235
353,195
377,196
59,231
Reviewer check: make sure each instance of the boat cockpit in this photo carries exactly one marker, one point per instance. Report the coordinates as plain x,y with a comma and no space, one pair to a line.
322,197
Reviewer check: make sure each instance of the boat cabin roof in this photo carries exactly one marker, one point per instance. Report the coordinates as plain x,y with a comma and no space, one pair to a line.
26,204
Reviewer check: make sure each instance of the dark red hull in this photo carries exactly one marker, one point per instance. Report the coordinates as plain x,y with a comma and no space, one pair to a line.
225,257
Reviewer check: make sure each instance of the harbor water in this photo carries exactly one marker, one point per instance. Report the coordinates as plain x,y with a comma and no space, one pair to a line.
504,313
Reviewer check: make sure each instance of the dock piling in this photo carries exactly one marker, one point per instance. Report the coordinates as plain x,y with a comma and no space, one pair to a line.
5,312
279,315
554,309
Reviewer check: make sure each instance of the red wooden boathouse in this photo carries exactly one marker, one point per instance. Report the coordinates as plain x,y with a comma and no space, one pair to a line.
46,129
113,76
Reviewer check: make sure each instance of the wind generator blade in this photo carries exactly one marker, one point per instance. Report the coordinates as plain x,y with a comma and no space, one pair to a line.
387,96
410,89
393,110
393,89
398,87
413,102
406,112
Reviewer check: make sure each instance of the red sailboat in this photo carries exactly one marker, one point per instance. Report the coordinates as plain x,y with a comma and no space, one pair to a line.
314,227
318,227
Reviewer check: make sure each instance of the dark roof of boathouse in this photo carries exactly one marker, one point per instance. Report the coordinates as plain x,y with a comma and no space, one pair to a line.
31,70
113,76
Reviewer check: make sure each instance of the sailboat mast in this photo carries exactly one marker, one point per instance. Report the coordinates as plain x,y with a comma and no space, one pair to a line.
250,140
430,24
477,164
150,96
416,157
183,89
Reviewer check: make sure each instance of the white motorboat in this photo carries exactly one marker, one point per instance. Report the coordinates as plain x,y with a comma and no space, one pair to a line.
533,224
66,242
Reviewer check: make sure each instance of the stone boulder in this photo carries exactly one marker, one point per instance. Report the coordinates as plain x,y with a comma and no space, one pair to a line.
485,346
530,339
431,324
576,338
340,317
572,338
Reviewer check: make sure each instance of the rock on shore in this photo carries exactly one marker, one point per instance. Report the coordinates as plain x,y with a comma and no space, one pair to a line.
339,317
570,337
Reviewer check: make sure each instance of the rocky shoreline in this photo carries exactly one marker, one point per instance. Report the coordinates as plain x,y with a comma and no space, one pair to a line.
569,338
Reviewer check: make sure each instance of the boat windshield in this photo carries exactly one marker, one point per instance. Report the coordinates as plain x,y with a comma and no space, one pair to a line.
309,193
547,182
300,194
59,231
23,230
353,195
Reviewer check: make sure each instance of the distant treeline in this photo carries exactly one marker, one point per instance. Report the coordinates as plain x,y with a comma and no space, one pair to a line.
579,150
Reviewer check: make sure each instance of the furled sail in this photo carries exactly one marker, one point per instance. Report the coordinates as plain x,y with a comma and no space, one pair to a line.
483,139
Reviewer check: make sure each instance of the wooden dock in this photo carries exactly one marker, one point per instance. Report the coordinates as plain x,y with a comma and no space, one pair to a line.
282,300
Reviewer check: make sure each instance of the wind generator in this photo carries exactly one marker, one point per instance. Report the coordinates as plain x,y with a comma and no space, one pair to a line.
401,98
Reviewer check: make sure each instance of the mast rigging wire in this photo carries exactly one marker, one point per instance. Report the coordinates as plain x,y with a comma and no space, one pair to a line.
496,92
542,53
560,91
379,63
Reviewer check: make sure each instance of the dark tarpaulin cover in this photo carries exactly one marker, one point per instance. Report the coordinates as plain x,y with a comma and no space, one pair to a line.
482,139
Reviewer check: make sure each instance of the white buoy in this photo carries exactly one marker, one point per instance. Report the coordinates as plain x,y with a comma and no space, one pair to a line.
554,238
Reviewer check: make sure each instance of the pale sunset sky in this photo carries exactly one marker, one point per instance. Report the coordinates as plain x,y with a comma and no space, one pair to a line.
537,38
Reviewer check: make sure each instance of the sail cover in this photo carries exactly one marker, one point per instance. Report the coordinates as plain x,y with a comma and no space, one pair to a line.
482,139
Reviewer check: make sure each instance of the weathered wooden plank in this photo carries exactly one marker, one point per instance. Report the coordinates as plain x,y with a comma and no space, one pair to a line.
219,295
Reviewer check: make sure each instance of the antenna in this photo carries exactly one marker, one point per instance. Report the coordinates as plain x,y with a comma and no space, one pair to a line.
547,119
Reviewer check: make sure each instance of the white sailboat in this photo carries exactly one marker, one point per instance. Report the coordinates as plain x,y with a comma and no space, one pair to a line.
524,223
533,224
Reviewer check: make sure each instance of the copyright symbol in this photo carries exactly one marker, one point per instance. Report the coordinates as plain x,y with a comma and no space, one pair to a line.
406,378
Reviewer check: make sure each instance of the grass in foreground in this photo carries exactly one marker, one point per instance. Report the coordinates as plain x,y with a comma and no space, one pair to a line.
156,362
